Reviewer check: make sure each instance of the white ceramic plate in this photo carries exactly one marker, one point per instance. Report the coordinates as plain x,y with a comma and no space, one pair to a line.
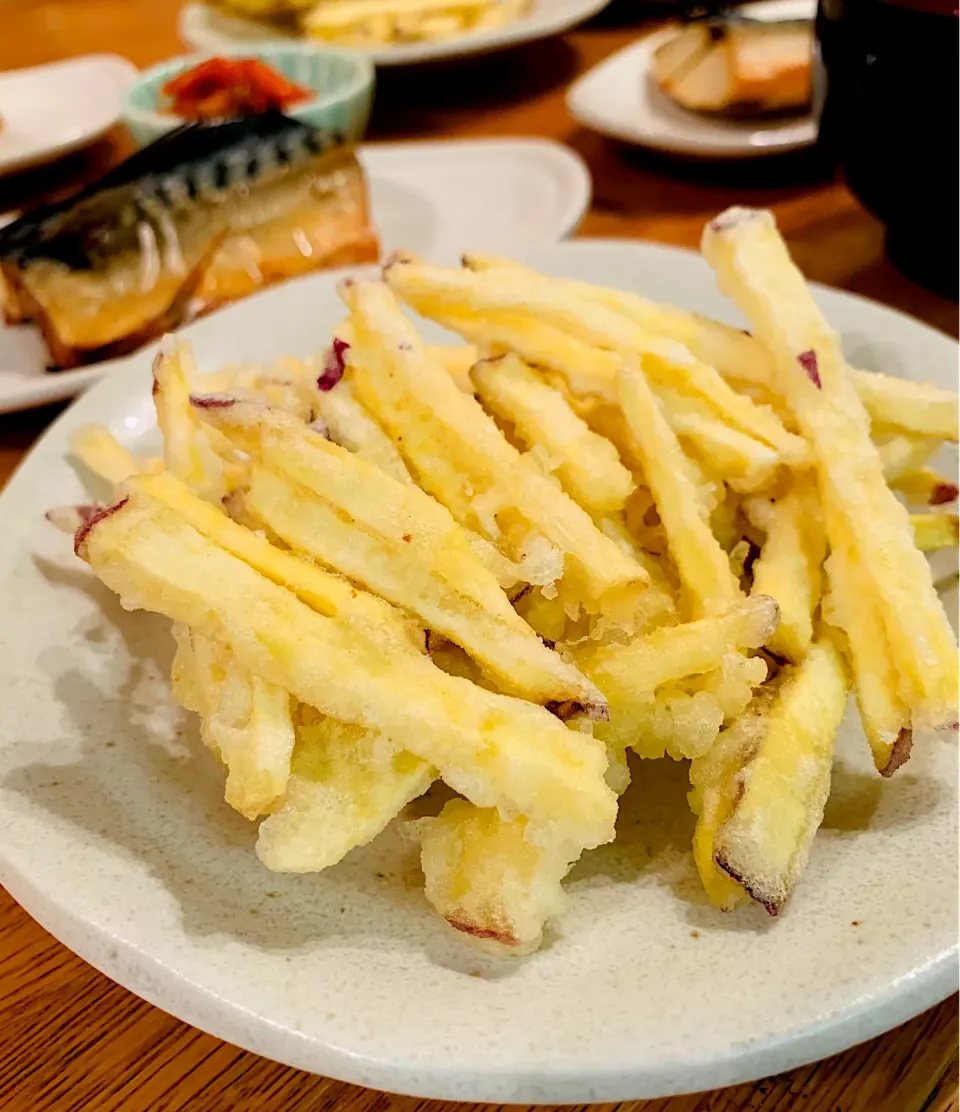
619,99
206,28
511,193
116,838
48,111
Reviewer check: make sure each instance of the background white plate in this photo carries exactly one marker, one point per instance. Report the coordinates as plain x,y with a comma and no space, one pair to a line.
510,193
206,28
116,838
47,111
619,99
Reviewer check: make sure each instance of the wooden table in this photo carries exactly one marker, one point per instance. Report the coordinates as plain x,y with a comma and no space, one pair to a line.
72,1040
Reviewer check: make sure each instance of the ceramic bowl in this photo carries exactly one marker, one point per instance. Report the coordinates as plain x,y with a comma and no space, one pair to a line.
343,83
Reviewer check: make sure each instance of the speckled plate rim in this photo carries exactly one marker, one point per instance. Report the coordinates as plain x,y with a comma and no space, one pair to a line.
142,973
151,981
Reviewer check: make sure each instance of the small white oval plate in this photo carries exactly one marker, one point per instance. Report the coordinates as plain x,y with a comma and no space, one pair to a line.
206,28
619,99
511,194
116,837
48,111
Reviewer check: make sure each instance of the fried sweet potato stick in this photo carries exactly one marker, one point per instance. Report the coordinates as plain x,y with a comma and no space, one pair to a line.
782,790
917,408
753,266
497,751
462,458
398,542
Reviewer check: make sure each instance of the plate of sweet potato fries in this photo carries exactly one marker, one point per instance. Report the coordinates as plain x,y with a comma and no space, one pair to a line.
545,690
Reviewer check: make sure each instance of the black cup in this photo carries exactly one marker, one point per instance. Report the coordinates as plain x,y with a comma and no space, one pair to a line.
886,85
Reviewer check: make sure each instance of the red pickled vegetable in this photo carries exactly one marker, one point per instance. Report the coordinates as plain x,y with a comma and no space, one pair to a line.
221,87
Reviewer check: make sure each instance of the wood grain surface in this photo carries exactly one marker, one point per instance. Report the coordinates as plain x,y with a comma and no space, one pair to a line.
71,1040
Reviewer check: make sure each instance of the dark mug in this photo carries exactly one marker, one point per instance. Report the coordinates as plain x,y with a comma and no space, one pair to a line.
885,81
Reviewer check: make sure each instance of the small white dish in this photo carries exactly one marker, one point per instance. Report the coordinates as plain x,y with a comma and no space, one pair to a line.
619,99
510,193
206,28
48,111
117,840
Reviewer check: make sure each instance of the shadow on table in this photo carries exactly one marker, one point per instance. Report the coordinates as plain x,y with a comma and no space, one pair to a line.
18,431
623,14
56,180
881,281
412,102
632,181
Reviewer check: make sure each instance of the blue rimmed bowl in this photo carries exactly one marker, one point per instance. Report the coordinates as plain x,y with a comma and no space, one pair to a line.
343,84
